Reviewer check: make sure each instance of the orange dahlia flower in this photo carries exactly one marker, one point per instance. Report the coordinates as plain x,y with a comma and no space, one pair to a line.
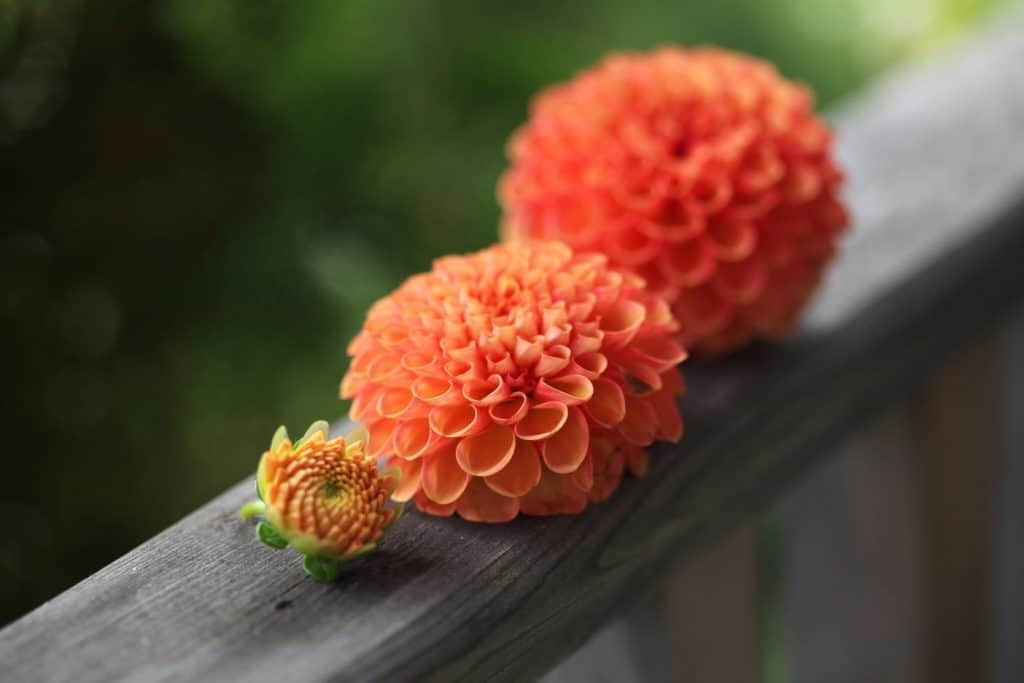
324,497
702,170
522,378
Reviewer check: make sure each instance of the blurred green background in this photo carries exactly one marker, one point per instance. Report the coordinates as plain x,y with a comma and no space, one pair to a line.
201,198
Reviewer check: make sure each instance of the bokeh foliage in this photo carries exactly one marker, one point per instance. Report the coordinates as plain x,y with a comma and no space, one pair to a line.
202,197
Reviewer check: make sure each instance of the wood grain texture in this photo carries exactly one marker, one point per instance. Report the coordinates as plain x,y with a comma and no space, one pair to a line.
936,162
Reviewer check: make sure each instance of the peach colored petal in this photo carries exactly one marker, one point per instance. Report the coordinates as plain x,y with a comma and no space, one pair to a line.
553,360
591,365
565,449
690,263
607,406
640,424
364,401
486,392
732,240
486,453
409,484
742,281
383,367
419,362
542,420
453,421
481,504
583,476
521,473
430,507
511,410
670,420
568,389
432,390
411,438
381,433
442,479
657,351
556,494
621,323
394,401
527,352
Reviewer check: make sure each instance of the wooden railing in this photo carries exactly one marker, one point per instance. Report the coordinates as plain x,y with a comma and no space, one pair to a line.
935,159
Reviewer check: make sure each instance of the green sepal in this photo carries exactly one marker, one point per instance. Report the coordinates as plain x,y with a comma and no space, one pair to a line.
270,536
279,437
318,426
252,509
321,568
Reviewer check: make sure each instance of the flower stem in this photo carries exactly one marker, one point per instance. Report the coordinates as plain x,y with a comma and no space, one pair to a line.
251,509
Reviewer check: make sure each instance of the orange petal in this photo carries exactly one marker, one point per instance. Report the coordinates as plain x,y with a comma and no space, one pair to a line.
568,389
431,508
670,421
583,477
381,433
453,421
411,438
552,361
689,263
542,420
364,403
486,453
443,480
741,282
640,424
419,362
701,310
486,392
409,484
384,366
732,240
556,494
521,473
432,390
480,504
511,410
591,365
565,449
621,322
392,402
608,404
528,352
658,351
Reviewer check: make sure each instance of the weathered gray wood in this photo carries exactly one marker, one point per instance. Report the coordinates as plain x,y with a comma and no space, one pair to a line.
854,561
709,623
697,624
936,161
958,427
1008,550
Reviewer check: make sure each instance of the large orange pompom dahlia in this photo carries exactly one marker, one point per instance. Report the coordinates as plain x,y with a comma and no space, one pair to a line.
522,378
702,170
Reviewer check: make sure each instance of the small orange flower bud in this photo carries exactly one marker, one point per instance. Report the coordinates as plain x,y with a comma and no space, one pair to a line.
324,497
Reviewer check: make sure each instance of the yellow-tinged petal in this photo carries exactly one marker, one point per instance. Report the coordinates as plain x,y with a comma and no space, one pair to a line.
521,473
565,449
486,453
